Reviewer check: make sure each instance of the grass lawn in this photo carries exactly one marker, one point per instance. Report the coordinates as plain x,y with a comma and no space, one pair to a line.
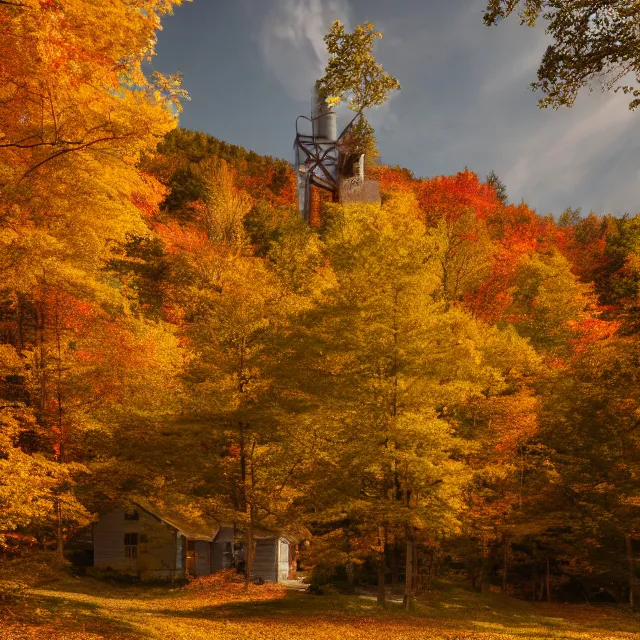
87,609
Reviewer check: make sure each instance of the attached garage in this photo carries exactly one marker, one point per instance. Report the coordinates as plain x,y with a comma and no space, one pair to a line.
271,562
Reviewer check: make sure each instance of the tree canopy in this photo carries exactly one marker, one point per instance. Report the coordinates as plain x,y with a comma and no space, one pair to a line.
594,42
446,380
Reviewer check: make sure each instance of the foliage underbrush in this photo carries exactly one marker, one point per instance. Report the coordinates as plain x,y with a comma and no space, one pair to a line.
229,585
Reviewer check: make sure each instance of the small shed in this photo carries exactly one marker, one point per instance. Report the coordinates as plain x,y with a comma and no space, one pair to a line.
271,561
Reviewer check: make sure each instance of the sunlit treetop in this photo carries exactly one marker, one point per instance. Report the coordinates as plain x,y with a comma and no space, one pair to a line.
352,70
353,74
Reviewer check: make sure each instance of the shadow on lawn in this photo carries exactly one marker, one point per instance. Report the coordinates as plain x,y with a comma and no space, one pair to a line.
110,590
40,611
496,615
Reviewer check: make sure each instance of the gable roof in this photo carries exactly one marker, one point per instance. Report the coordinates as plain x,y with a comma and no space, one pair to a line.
193,525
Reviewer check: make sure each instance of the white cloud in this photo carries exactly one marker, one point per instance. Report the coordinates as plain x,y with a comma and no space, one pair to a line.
383,119
559,158
291,41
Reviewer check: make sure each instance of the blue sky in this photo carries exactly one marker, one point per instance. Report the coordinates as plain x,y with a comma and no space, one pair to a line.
249,66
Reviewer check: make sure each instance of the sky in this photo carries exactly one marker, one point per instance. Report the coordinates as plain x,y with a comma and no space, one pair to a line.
250,65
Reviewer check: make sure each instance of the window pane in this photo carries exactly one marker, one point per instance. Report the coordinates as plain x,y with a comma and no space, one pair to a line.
131,538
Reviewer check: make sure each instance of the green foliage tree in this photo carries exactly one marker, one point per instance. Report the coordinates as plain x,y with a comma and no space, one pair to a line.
594,41
569,217
500,188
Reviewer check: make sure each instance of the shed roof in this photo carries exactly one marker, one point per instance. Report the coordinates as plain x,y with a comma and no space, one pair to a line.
262,534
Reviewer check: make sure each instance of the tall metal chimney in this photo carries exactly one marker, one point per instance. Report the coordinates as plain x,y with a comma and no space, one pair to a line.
325,121
324,160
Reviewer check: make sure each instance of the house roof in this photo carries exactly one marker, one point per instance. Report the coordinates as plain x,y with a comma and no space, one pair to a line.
193,524
262,534
187,521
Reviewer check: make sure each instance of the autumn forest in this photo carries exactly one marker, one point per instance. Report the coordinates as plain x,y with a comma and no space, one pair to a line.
444,385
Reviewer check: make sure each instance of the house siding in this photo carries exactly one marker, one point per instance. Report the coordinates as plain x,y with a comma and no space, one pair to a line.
221,555
265,561
157,546
108,542
203,559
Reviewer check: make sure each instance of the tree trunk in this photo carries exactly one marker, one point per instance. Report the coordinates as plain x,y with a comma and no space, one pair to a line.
59,531
630,569
382,596
541,590
415,582
350,572
472,574
248,552
505,566
484,571
409,600
533,582
548,581
394,562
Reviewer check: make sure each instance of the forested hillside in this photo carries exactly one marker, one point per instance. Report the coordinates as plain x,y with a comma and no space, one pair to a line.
447,376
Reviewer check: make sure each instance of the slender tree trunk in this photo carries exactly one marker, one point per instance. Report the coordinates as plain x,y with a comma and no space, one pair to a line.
60,435
484,575
234,564
250,551
409,600
394,562
505,566
630,569
415,583
541,590
20,323
59,530
245,506
533,582
382,568
350,572
548,581
382,596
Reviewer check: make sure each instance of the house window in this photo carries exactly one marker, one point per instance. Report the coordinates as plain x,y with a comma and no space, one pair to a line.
131,514
130,546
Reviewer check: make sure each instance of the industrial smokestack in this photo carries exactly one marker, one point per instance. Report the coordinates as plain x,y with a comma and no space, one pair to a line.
325,121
